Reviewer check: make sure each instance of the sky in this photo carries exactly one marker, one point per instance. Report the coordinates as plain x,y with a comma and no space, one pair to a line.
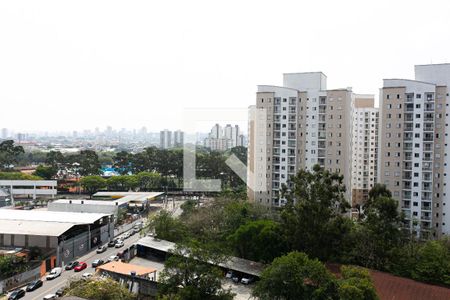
74,65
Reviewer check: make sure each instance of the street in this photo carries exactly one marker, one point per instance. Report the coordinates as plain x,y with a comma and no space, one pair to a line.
51,286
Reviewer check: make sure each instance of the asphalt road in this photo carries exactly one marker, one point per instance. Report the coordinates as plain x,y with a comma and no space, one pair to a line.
51,286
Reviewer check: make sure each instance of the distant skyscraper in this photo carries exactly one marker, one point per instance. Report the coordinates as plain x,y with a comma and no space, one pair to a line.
165,139
178,138
222,139
4,133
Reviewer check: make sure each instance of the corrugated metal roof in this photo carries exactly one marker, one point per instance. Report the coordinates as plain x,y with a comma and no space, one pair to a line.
91,202
49,216
234,263
40,228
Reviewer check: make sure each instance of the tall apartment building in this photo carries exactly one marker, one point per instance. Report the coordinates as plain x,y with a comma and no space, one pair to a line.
165,139
169,139
414,145
364,148
222,139
295,127
178,138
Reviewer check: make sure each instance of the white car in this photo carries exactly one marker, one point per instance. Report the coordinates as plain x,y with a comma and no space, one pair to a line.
113,258
229,274
55,272
119,244
50,297
247,280
86,275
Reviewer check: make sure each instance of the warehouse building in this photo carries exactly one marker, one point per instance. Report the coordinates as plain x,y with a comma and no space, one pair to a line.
62,234
88,206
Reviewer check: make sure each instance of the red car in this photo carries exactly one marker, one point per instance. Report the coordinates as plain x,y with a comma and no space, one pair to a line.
81,266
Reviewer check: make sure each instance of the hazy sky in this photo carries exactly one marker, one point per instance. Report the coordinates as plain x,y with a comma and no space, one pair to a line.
82,64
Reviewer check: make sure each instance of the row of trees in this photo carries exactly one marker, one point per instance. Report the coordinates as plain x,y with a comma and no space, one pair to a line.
144,181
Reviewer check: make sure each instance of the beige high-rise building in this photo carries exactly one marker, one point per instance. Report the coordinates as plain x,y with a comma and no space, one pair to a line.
295,127
413,147
364,148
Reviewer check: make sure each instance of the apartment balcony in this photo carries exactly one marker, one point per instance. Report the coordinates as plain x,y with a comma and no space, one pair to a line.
425,207
425,217
408,127
428,119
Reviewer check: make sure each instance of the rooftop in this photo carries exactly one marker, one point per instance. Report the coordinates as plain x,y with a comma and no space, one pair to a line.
42,223
49,216
234,263
125,269
91,202
130,196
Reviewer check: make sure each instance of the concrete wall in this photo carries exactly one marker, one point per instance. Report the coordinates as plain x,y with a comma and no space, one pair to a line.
18,240
20,279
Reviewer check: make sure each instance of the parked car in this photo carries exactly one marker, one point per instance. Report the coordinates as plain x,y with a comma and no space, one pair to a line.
112,243
102,248
60,292
55,272
34,285
229,274
119,244
236,279
71,265
247,280
80,267
138,225
97,262
50,297
113,258
17,294
86,275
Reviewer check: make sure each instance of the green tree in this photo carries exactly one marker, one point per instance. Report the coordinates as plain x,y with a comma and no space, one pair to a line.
148,181
259,240
92,184
45,172
356,284
10,266
118,183
9,154
189,273
295,276
378,236
166,227
89,163
122,162
98,289
433,262
55,159
18,176
312,219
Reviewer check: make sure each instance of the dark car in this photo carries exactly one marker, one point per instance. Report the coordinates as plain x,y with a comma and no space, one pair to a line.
17,294
34,285
236,278
112,243
97,262
60,291
71,265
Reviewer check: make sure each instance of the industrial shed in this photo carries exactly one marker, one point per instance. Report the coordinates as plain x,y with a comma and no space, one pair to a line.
67,235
